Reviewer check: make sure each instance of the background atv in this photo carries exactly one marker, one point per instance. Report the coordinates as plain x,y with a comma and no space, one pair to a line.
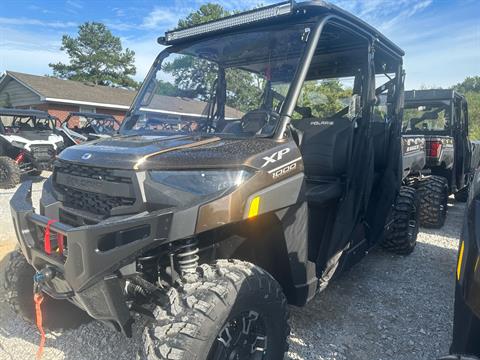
28,144
80,127
441,117
211,229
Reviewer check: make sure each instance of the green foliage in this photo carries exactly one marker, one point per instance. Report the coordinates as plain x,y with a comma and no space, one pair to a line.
96,56
195,77
473,99
470,87
470,84
207,12
325,97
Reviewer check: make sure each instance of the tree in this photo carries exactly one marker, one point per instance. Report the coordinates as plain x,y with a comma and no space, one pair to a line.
470,84
470,87
96,56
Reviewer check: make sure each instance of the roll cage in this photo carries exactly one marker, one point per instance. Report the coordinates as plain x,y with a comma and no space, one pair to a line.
333,34
21,120
90,117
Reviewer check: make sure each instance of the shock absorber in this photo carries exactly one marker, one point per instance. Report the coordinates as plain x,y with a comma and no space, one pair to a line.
148,266
187,256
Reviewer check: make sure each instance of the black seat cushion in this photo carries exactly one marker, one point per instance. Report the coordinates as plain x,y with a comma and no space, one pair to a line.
325,145
318,193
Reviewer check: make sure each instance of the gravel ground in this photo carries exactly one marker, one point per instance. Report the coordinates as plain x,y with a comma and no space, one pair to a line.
386,307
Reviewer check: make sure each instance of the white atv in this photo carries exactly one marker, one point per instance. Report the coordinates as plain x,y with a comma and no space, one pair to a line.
29,143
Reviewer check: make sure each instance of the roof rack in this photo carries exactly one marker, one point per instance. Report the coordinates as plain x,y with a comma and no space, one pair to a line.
24,112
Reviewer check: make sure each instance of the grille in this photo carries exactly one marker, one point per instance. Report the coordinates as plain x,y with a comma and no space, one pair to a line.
91,172
88,200
94,203
42,152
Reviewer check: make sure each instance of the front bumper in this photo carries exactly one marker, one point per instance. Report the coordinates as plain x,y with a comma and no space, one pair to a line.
87,273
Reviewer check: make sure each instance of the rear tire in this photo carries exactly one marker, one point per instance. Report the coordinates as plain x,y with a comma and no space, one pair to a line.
9,173
402,237
206,317
57,314
433,194
462,195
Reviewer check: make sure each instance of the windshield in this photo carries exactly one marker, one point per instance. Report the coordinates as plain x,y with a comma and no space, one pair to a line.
427,118
14,124
234,84
89,125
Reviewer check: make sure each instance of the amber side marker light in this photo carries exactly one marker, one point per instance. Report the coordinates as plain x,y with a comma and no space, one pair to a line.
460,260
254,206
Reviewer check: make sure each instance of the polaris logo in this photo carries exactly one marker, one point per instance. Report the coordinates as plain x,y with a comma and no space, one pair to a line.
275,157
86,156
320,123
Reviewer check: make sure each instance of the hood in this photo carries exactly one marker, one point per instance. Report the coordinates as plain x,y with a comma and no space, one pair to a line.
157,152
25,140
33,135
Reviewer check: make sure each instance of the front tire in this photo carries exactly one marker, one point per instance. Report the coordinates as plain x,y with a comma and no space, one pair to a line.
57,314
402,237
231,310
9,173
433,193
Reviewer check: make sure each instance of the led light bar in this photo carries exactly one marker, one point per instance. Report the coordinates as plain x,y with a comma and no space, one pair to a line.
231,21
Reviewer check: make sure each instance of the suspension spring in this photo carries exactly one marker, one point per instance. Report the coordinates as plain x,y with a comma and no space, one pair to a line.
187,256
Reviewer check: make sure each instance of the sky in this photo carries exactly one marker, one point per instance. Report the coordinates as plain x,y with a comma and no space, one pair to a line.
441,38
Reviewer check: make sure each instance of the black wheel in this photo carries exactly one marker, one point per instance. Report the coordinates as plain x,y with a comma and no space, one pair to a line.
433,194
231,310
462,195
9,173
57,314
402,236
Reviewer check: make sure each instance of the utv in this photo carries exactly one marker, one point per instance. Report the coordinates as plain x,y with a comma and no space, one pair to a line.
441,116
211,229
80,127
28,144
466,325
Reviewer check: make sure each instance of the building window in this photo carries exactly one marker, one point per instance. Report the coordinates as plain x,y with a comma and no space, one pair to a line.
88,109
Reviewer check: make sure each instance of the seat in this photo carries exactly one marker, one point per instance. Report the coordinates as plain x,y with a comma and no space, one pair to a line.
325,145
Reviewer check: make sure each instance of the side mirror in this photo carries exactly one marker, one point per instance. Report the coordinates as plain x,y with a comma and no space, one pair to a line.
355,107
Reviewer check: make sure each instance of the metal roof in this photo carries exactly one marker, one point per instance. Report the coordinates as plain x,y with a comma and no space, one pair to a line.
302,12
431,95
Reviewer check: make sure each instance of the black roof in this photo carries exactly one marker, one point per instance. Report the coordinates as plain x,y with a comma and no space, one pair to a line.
431,95
24,112
304,12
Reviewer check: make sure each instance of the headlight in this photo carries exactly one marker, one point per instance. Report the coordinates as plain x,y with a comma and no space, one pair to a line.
202,182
